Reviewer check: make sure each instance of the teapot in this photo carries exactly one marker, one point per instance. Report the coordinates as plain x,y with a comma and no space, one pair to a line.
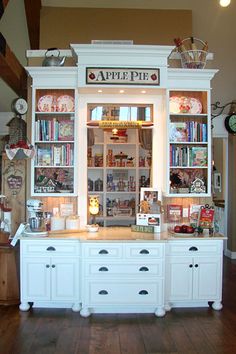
53,59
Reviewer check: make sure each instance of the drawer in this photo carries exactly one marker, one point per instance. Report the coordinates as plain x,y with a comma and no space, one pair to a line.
117,269
50,248
192,248
144,251
125,293
102,250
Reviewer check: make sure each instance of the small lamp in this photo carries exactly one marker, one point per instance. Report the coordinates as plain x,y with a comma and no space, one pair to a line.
93,207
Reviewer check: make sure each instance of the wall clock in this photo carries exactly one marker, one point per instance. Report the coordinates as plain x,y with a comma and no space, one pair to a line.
19,106
230,123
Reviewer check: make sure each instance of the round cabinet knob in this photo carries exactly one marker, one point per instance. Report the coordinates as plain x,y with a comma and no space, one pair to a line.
47,265
196,266
190,266
53,266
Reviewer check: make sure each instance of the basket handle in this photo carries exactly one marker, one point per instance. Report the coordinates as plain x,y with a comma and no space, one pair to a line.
195,39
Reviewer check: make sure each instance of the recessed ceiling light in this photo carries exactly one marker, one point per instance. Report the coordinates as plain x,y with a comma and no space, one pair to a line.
122,91
143,91
225,3
99,91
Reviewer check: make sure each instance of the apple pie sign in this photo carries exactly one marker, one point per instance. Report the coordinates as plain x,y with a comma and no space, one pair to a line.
122,76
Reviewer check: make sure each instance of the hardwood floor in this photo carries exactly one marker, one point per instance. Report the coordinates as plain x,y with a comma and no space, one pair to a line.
181,331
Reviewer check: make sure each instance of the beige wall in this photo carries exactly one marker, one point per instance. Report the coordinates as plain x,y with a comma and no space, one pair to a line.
62,26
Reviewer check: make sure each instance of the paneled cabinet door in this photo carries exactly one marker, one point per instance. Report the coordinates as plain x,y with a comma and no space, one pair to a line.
64,278
180,278
207,278
197,278
35,282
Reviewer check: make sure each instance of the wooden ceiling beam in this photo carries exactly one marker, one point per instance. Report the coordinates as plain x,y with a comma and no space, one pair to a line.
11,70
3,5
32,11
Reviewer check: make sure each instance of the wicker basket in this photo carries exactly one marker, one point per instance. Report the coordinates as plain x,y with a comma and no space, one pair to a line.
17,130
194,59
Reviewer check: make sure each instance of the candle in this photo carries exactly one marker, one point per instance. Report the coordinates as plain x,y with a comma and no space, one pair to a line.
72,222
57,223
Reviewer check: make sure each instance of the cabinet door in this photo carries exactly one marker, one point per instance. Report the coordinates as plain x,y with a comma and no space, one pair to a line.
65,278
179,278
207,278
35,279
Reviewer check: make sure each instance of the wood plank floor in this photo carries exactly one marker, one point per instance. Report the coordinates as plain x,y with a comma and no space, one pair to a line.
181,331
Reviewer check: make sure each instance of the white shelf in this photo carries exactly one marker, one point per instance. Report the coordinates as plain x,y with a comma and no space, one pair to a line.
132,149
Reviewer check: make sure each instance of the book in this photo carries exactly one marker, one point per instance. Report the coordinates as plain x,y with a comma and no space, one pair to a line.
174,212
44,156
206,218
178,132
66,130
198,156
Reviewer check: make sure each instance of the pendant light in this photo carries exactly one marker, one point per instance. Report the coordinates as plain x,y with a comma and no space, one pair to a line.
225,3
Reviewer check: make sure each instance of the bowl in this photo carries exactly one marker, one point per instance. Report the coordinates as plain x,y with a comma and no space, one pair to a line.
92,228
37,224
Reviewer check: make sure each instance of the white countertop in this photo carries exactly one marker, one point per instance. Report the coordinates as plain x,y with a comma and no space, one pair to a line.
109,234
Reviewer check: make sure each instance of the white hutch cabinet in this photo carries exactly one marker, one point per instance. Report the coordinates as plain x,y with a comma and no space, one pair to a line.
116,274
120,75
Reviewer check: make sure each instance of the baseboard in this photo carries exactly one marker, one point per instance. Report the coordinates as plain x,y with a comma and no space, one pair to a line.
230,254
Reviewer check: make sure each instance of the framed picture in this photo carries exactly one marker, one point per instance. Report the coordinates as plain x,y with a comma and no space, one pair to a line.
153,197
149,194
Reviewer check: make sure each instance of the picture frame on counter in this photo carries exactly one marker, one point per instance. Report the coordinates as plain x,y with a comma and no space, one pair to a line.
153,197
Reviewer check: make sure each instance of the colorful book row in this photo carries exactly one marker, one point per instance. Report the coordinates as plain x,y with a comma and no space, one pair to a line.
54,155
54,130
188,132
188,156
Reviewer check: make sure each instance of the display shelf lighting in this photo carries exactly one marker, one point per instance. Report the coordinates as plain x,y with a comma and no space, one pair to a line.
225,3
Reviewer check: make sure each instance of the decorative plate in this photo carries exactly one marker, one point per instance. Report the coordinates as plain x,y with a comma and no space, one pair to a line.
65,103
196,106
184,104
45,103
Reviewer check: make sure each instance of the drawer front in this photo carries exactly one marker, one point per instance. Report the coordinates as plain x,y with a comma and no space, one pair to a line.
102,250
121,269
108,293
144,251
50,248
193,248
